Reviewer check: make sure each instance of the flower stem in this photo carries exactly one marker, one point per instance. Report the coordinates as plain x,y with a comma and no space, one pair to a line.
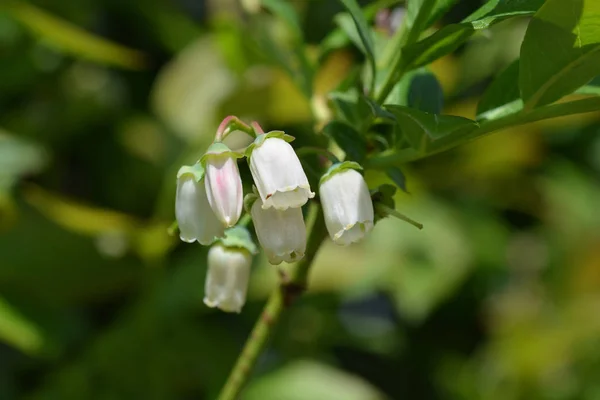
390,211
290,287
230,124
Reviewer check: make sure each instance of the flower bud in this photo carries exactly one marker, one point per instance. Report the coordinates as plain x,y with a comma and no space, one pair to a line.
223,183
227,277
347,204
281,233
277,172
194,215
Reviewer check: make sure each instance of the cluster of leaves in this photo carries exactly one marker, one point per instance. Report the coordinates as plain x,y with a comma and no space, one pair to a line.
390,111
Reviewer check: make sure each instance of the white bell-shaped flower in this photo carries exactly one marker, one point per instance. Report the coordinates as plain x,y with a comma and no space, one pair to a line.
347,204
277,172
281,233
227,277
195,217
223,183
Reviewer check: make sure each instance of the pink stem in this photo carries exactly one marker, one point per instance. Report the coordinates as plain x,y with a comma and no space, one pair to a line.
257,128
224,127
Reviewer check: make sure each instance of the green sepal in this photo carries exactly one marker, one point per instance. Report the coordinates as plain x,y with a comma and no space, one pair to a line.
219,149
238,237
197,170
384,205
261,138
340,167
249,200
384,194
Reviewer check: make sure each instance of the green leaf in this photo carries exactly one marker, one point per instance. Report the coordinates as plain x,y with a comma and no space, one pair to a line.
549,111
418,89
284,10
417,15
440,8
74,40
497,10
351,108
430,132
442,42
18,331
560,51
377,111
592,88
339,38
450,37
503,90
400,156
349,140
397,176
502,98
18,158
363,31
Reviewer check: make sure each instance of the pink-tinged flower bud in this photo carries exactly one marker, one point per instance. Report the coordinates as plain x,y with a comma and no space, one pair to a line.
223,183
277,172
281,233
347,204
195,218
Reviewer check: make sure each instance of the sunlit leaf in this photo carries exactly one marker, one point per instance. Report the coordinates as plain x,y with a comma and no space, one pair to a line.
17,158
286,11
503,90
78,217
73,40
442,42
450,37
417,15
550,111
497,10
307,380
18,331
560,51
418,126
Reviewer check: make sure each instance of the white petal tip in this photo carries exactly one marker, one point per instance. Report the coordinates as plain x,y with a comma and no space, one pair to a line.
288,197
294,256
223,307
352,233
186,239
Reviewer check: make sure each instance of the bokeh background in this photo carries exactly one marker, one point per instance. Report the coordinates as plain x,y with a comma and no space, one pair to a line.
101,101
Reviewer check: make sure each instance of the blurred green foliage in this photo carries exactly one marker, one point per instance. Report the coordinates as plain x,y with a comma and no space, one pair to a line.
100,103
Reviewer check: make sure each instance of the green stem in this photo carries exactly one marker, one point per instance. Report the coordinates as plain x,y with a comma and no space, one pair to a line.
245,220
289,289
230,124
390,211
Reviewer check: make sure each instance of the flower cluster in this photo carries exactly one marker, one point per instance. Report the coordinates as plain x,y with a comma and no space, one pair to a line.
210,200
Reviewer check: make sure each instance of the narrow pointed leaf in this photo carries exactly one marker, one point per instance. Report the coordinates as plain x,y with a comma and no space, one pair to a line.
73,40
363,31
